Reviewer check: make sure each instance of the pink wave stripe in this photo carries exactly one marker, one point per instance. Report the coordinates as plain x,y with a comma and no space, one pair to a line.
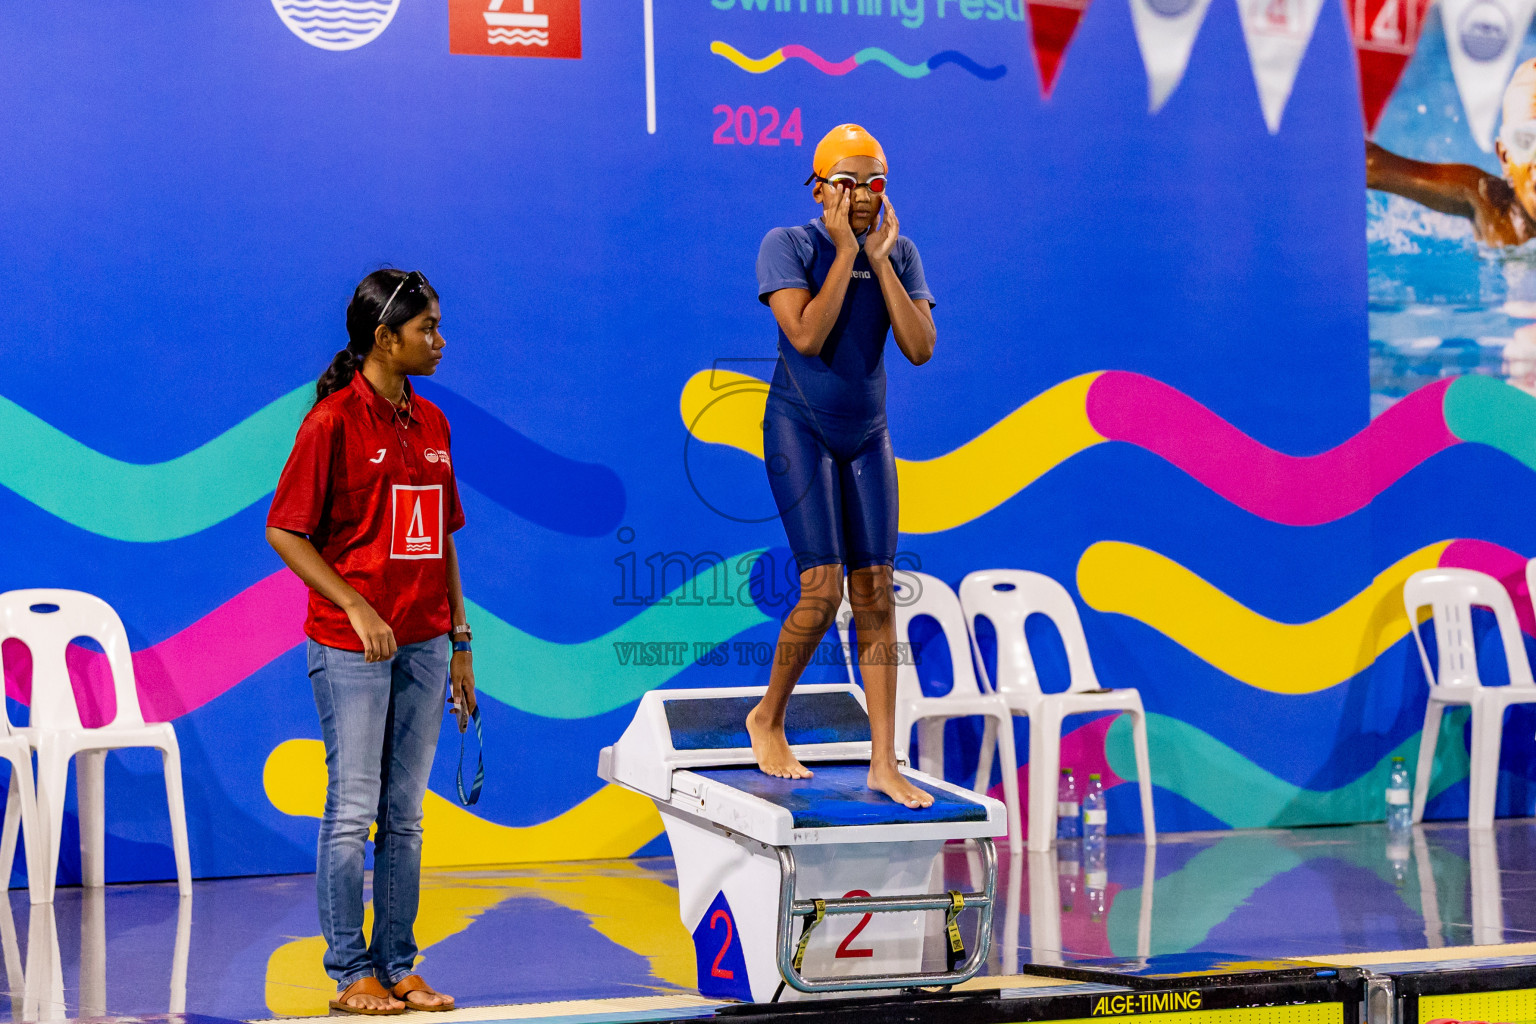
185,671
1082,750
1298,490
817,61
1507,566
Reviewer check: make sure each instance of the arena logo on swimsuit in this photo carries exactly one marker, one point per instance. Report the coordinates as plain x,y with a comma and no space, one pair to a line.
416,514
515,28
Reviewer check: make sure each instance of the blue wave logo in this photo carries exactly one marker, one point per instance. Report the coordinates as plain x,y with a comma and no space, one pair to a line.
336,24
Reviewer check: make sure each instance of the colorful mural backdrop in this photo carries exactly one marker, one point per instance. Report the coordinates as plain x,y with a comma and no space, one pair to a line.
1154,380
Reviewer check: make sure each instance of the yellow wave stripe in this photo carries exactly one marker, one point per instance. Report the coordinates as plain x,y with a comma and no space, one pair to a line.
297,985
1280,657
626,904
612,823
741,60
622,901
724,407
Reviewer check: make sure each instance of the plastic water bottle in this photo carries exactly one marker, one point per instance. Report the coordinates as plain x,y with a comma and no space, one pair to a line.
1068,826
1095,879
1398,853
1399,798
1095,817
1069,873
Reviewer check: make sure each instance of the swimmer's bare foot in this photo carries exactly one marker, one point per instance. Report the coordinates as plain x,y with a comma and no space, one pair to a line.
771,748
886,779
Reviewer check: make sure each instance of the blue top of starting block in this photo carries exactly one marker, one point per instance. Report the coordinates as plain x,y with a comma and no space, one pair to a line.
720,723
838,795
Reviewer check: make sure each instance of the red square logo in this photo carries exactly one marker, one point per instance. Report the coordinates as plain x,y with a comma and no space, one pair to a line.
417,515
515,28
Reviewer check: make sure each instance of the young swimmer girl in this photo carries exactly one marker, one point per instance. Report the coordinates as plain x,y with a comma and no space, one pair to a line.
1502,210
837,286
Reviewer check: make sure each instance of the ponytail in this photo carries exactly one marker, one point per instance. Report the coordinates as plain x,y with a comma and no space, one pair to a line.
339,374
368,301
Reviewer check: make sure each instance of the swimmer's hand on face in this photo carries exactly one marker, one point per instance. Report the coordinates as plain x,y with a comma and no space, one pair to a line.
880,241
835,206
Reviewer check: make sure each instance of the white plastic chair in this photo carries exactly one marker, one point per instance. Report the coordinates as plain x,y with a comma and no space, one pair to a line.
21,802
1451,594
1007,597
56,734
929,595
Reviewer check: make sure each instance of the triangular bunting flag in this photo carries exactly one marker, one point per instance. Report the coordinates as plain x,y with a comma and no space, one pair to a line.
1165,32
1277,32
1052,23
1385,33
1484,37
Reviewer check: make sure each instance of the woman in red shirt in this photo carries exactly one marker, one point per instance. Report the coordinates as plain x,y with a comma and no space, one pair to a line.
364,513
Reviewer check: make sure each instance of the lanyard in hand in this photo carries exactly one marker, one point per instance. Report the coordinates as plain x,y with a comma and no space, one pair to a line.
474,789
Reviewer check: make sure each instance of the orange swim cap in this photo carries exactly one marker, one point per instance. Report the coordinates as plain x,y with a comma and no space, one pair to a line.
840,143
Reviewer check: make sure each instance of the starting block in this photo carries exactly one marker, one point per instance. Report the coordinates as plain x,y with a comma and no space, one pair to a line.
817,883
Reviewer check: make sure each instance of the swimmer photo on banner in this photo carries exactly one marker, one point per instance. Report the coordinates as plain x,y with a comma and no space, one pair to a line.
1452,192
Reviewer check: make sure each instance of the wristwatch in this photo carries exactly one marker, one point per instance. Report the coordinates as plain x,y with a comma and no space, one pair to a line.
461,632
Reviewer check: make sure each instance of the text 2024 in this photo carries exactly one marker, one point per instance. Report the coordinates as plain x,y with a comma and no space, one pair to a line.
759,126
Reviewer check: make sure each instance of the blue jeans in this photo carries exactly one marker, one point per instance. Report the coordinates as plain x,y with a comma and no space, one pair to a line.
380,721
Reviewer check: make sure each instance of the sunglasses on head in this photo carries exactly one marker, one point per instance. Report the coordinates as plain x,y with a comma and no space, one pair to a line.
848,183
415,281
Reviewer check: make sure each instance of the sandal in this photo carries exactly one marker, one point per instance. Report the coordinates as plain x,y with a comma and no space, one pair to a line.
414,983
365,986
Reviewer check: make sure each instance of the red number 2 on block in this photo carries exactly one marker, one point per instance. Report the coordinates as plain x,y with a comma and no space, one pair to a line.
715,970
844,950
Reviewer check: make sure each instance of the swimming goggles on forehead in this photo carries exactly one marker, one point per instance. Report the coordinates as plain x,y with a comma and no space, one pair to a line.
848,183
415,281
1519,141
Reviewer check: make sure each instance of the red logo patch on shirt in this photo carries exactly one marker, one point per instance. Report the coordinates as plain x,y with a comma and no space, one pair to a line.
417,514
515,28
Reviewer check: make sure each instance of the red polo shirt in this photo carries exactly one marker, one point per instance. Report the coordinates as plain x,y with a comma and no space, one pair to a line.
373,489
